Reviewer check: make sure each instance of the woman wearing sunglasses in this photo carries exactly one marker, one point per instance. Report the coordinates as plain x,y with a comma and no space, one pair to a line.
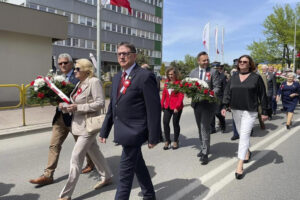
243,93
87,100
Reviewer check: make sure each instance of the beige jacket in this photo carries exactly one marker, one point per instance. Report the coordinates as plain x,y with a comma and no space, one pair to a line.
92,89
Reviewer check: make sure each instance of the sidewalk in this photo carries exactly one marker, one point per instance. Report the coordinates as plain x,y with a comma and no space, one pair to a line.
37,119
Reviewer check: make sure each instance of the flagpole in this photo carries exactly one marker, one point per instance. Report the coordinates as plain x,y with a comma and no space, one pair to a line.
98,67
294,59
222,45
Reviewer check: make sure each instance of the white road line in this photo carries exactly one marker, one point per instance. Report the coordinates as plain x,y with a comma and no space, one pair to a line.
228,178
201,180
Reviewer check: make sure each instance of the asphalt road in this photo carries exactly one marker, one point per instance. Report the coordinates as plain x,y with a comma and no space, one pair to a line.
273,172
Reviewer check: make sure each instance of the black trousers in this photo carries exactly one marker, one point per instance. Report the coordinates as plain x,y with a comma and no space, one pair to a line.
168,113
220,117
132,162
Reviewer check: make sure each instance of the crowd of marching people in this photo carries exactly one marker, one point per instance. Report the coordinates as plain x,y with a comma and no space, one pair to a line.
135,111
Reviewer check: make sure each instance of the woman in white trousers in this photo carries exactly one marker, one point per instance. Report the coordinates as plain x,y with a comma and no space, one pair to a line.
87,100
243,93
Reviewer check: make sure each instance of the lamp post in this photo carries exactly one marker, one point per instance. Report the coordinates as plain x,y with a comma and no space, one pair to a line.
98,39
295,33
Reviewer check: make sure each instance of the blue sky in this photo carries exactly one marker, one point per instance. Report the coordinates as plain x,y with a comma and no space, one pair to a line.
242,20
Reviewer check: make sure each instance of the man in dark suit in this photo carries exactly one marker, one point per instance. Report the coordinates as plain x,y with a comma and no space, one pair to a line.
218,114
61,126
205,111
271,88
135,112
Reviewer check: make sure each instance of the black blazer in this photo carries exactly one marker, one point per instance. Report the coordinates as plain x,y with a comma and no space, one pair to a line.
136,115
66,116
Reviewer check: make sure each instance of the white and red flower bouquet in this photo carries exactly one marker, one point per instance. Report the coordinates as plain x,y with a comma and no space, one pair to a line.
51,89
194,88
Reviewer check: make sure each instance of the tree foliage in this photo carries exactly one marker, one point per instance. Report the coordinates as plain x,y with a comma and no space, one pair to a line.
162,69
141,58
279,33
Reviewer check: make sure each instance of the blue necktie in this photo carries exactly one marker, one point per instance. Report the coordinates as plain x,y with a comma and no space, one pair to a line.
201,74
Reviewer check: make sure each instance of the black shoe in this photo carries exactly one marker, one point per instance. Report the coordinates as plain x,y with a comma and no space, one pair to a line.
274,112
166,146
213,131
238,176
223,130
235,137
270,118
246,161
200,154
204,160
288,127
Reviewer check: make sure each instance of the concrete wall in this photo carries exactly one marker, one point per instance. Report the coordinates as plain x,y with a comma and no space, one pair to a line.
23,57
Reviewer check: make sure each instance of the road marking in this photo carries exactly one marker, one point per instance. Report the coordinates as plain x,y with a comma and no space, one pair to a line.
223,182
201,180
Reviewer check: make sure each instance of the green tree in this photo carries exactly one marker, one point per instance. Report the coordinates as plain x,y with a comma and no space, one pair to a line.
141,58
162,69
279,32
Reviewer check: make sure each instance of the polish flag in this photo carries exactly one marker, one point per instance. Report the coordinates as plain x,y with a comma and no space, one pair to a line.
205,36
120,3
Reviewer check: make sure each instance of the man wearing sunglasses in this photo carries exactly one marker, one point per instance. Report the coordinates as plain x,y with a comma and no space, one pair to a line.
61,126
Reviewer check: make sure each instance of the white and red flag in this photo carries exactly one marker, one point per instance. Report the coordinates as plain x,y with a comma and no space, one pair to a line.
120,3
216,40
205,36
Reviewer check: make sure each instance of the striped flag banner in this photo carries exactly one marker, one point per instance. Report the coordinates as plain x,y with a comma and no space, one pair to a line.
57,91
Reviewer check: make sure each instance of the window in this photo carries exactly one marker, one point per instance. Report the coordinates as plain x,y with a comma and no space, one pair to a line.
119,9
68,42
89,44
114,8
75,18
133,32
119,27
82,43
138,14
33,6
90,2
114,27
152,36
60,42
129,31
74,42
82,20
43,8
102,46
108,26
60,12
95,45
94,23
103,24
124,30
107,47
89,21
51,10
68,15
108,6
114,48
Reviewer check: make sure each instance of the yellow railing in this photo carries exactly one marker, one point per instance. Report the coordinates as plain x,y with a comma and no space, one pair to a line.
22,97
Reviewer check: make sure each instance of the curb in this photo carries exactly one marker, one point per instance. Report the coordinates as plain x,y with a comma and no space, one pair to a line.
26,130
32,129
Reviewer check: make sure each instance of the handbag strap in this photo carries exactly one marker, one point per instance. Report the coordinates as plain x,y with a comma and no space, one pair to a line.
86,97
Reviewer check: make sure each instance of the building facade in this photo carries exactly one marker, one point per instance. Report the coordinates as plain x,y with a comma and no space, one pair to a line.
143,28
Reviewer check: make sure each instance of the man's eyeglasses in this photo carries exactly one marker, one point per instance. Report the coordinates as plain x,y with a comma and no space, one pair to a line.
243,62
125,54
77,69
65,63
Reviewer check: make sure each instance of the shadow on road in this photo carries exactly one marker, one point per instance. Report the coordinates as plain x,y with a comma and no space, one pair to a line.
5,189
168,188
270,157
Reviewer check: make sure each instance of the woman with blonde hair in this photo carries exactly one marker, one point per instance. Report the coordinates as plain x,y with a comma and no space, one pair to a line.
87,100
289,91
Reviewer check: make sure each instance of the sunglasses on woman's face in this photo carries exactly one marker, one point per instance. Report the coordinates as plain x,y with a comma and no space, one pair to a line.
77,69
243,62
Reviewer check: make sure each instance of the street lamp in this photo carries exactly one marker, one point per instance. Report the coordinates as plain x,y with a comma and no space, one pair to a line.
295,33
